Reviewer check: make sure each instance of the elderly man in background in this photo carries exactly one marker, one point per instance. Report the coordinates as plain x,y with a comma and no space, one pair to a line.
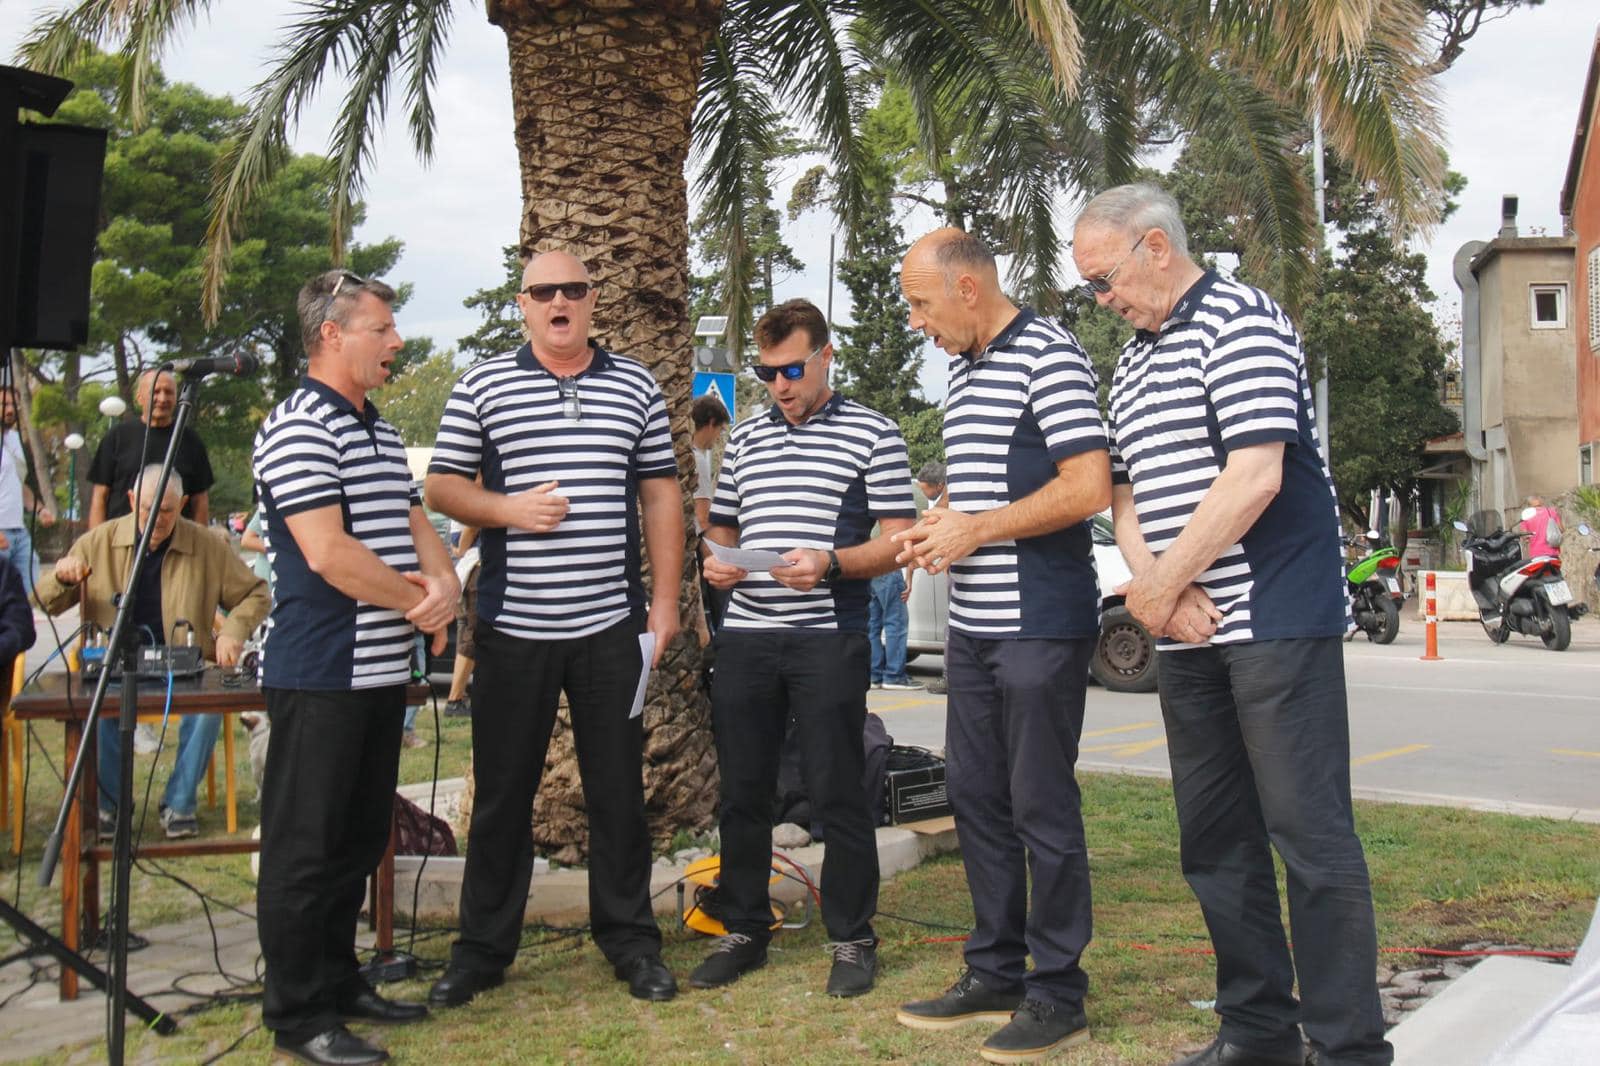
1227,517
188,575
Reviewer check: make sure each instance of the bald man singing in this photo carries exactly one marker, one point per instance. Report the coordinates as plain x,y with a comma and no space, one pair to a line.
572,442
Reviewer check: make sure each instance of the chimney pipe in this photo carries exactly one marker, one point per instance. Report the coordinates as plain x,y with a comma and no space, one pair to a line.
1508,216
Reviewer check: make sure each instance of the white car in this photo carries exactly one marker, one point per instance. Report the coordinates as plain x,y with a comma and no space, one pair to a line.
1125,655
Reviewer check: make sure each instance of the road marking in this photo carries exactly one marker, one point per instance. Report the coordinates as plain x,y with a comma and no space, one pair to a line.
901,705
1134,728
1575,751
1390,754
1138,747
1470,691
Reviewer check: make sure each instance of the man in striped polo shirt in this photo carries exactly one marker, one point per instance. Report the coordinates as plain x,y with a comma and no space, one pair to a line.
1227,517
571,440
808,478
359,569
1025,450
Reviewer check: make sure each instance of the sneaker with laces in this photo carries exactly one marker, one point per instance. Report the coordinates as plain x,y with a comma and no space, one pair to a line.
1035,1030
968,1000
457,709
410,739
855,966
939,687
906,685
734,956
179,826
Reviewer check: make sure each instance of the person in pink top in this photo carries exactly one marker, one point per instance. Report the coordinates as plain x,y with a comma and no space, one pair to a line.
1538,520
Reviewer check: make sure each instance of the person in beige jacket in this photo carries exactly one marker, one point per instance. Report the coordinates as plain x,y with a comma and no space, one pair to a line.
190,573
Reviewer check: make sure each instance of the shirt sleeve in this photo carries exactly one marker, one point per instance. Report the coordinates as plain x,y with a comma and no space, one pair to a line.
725,504
1062,396
889,478
297,465
1252,379
653,457
458,447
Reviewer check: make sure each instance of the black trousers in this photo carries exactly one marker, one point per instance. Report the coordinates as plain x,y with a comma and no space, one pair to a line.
822,678
1013,721
1259,738
327,797
516,687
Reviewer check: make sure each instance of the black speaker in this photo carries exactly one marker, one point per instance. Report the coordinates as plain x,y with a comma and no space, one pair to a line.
56,211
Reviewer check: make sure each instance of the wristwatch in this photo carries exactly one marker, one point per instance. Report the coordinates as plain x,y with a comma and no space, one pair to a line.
834,571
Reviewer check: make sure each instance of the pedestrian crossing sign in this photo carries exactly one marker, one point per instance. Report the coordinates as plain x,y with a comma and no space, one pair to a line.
708,383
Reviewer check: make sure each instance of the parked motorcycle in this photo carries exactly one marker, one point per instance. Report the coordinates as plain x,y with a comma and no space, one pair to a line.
1515,594
1374,588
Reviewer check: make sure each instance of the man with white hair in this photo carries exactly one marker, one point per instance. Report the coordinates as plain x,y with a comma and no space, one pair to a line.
188,574
1226,515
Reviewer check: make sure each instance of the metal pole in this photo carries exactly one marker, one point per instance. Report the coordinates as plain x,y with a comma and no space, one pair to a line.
1320,395
831,239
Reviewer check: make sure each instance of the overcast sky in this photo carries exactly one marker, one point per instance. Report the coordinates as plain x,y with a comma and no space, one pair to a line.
1510,108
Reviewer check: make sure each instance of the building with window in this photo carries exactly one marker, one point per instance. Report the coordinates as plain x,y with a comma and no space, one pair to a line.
1518,367
1580,212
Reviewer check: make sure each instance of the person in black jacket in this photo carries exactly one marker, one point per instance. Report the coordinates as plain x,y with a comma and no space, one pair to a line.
16,619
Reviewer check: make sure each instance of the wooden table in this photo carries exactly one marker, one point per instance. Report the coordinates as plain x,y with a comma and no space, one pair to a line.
65,698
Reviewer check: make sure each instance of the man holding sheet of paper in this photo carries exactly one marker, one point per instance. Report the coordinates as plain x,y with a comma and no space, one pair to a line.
571,440
802,485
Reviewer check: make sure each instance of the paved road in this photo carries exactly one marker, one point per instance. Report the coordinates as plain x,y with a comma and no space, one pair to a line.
1513,727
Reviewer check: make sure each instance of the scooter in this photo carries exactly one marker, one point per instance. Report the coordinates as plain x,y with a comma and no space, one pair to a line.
1516,594
1374,587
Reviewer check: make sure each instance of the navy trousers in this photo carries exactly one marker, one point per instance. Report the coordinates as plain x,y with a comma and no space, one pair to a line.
1259,738
1015,715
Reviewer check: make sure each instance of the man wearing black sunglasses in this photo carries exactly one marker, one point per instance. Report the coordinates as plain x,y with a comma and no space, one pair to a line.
571,440
807,478
1227,516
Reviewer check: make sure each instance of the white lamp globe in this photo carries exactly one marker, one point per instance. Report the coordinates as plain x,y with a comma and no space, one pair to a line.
74,441
113,406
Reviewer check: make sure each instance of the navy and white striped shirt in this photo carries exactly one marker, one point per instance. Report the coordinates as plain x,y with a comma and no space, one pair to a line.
1024,404
1226,371
506,417
316,450
821,484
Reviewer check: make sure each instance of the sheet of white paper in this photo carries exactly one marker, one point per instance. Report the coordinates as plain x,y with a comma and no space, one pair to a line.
647,652
748,558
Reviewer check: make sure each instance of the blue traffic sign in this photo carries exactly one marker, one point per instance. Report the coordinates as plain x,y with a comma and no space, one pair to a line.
719,385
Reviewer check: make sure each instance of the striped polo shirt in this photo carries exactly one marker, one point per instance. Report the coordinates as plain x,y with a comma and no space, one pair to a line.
1022,405
1225,371
507,418
821,484
316,450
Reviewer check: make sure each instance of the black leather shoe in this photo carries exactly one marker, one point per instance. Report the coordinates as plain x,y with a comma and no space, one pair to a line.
335,1047
1222,1053
458,986
367,1006
647,977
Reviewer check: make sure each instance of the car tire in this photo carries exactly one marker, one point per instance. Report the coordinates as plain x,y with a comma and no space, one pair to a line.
1124,657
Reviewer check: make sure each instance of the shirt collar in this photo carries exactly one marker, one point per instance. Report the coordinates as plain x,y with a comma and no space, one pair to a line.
599,361
775,413
1188,304
367,414
1018,323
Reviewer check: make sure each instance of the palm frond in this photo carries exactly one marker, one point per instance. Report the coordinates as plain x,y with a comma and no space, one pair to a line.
1053,25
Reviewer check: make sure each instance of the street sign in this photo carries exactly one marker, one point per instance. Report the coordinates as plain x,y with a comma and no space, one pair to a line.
718,385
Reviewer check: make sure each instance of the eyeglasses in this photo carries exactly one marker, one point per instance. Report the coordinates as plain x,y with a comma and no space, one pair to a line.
570,405
572,290
1098,286
791,371
338,286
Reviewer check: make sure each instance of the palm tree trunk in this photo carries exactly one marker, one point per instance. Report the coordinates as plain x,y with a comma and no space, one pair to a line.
602,95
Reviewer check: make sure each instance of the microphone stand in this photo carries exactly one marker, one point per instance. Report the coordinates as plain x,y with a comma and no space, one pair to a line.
121,653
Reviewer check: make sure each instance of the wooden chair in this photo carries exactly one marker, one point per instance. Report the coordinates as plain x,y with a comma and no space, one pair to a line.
13,761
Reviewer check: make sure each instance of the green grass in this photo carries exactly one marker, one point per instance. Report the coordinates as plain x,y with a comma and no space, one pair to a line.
1441,878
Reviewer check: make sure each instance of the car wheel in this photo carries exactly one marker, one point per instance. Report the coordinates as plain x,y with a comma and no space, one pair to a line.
1125,655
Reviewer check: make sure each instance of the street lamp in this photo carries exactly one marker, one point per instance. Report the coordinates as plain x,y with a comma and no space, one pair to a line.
74,442
113,407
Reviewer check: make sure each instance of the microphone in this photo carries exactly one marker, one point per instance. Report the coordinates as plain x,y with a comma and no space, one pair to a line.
239,365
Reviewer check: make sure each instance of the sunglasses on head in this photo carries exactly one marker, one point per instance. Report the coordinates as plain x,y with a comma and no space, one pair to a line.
790,371
572,290
1099,286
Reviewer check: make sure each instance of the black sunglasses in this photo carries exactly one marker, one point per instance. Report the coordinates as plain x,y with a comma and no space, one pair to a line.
572,290
791,371
1099,286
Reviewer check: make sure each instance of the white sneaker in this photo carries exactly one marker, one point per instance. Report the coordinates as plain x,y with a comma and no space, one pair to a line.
907,685
144,739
